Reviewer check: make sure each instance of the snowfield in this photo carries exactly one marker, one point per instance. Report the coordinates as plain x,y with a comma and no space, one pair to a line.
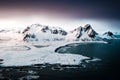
14,54
37,45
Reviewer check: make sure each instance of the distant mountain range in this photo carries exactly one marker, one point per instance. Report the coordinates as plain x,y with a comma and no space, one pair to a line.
37,32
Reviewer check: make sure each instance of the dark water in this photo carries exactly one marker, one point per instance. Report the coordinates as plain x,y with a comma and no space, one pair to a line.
117,36
108,53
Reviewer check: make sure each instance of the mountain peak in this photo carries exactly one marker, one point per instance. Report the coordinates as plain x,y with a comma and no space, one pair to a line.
109,35
87,26
83,33
37,31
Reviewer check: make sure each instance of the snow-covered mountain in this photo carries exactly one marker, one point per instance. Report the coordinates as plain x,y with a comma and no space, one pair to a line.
108,35
86,33
37,32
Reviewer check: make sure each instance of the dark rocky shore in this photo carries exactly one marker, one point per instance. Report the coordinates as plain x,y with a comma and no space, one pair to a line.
86,71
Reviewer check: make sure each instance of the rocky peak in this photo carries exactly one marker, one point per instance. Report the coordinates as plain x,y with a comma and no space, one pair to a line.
25,30
45,29
87,27
91,32
35,29
83,33
109,33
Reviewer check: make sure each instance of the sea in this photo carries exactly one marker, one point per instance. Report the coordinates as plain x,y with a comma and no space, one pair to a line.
108,67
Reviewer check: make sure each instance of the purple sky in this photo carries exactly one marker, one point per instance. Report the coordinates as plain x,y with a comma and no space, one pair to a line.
61,12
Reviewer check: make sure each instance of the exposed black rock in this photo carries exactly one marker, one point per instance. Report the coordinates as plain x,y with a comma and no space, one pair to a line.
108,33
62,32
1,60
92,34
55,31
87,27
27,29
29,36
45,28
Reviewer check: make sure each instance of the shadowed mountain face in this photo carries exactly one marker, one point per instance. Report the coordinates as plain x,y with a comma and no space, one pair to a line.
108,34
90,31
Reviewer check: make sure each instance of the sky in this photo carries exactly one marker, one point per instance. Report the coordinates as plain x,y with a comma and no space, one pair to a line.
103,15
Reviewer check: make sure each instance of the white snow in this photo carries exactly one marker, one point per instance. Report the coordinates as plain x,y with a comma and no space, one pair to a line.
43,36
8,35
15,52
71,37
17,56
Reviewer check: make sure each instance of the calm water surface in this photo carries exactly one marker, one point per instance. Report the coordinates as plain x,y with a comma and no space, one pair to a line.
110,51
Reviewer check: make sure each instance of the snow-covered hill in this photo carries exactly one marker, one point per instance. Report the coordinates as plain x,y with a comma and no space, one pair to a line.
37,32
86,33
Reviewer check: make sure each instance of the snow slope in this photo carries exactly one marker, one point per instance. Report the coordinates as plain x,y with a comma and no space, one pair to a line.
10,35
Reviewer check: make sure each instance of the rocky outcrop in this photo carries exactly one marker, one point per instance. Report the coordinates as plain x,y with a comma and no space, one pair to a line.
108,33
91,33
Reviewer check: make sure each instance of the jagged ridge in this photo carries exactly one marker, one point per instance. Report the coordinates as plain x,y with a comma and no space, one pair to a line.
83,33
37,32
